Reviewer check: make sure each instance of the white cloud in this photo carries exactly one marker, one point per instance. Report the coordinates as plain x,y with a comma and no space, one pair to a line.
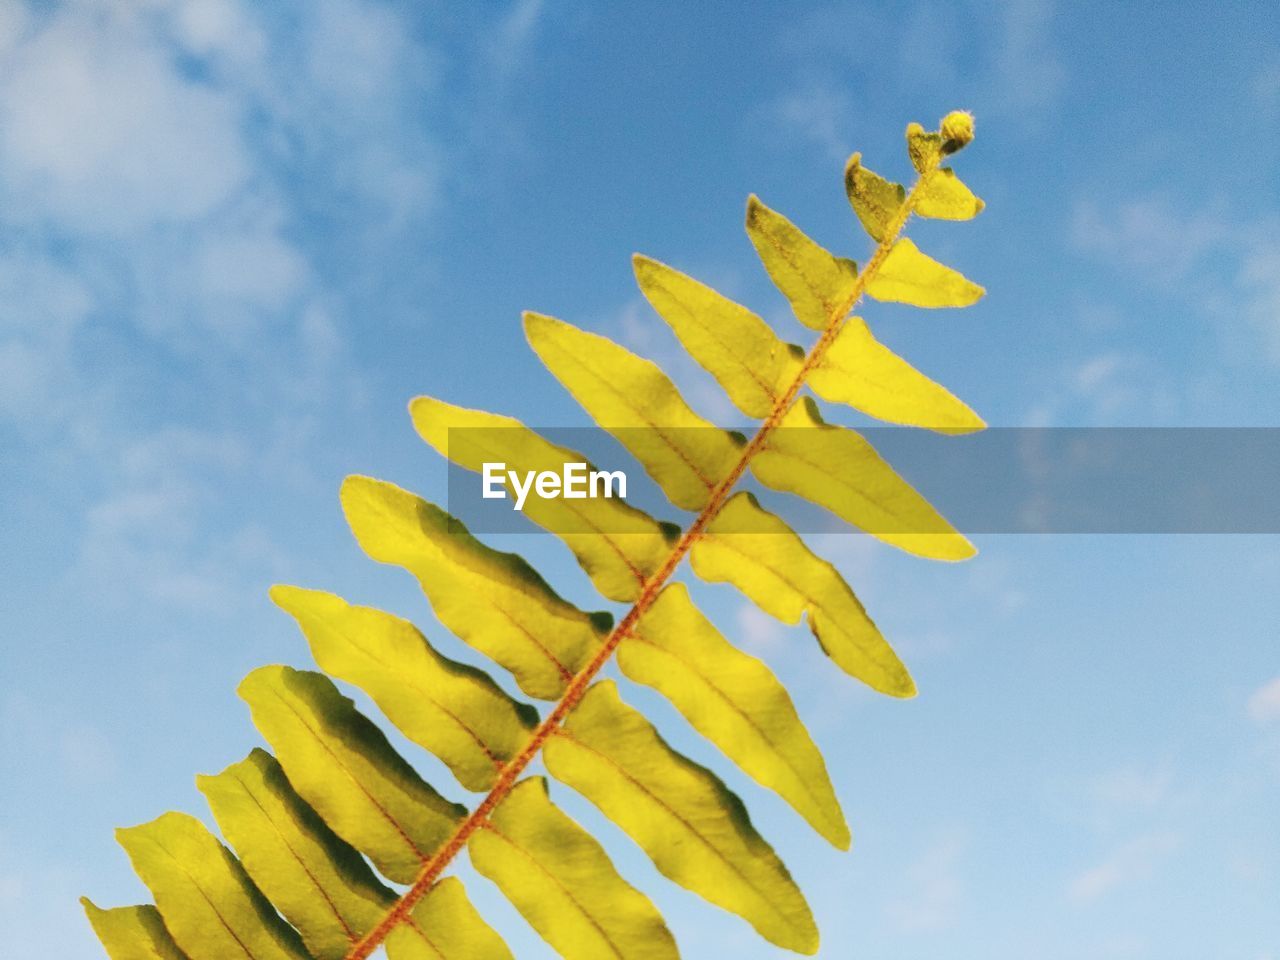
512,40
1260,281
156,534
42,305
222,27
1264,703
1266,85
935,892
1134,789
1134,795
818,112
100,130
87,756
756,629
1148,235
1157,243
1027,71
1120,386
1131,863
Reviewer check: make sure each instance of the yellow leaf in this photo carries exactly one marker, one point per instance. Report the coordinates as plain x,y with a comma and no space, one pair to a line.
859,370
691,825
454,710
944,196
320,884
908,276
733,344
764,558
735,701
818,285
209,904
492,600
563,882
132,933
344,768
634,400
838,469
875,200
445,926
619,546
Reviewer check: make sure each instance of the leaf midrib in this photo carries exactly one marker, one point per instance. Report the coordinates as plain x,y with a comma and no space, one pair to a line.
650,588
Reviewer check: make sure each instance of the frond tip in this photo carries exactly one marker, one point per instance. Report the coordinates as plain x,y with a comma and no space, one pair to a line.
956,130
326,826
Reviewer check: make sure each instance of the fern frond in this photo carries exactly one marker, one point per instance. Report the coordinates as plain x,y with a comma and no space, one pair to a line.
735,701
317,881
336,796
342,764
132,933
492,600
836,468
860,371
733,344
909,276
455,711
621,548
687,456
694,829
209,904
563,882
757,552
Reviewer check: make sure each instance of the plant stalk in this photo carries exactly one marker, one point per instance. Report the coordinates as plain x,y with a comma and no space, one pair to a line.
433,867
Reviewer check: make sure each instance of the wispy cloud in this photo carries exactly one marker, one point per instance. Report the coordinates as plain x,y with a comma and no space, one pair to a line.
935,890
1131,863
1149,234
1264,704
1110,388
818,112
1259,281
1001,57
756,629
204,185
1226,266
1027,68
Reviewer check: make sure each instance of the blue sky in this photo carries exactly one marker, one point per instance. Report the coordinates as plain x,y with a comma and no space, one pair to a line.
235,241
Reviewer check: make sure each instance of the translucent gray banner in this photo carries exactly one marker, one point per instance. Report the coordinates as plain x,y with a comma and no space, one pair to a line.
1001,480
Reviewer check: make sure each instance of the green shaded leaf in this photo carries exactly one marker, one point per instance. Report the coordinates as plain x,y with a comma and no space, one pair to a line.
445,926
634,400
944,196
908,276
453,710
818,285
342,765
209,904
132,933
696,831
924,148
758,553
733,344
859,370
874,199
619,546
735,701
492,600
563,882
320,884
837,468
